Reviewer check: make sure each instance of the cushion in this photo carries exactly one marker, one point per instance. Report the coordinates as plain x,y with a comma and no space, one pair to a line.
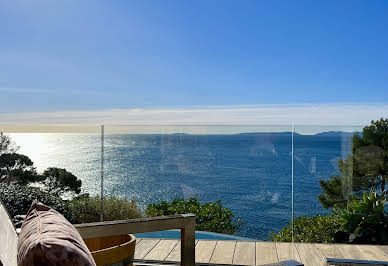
47,238
8,235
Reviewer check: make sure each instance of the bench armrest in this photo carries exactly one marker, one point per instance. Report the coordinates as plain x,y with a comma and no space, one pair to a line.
184,222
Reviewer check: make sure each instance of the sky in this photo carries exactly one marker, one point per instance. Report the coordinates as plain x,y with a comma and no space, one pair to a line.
131,62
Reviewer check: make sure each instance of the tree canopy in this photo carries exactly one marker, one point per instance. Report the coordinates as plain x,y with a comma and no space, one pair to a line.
6,144
18,168
59,181
364,170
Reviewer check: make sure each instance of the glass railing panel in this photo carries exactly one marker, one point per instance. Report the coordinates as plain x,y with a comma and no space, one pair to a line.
325,180
247,168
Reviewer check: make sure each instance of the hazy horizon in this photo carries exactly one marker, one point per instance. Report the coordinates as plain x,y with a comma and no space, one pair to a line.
191,130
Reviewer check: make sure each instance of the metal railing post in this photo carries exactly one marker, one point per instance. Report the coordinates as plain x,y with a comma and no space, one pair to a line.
102,174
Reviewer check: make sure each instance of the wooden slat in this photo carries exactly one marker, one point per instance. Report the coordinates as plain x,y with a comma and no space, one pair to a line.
383,248
145,245
245,253
310,255
223,252
175,254
204,250
370,252
329,251
161,250
287,251
350,251
266,253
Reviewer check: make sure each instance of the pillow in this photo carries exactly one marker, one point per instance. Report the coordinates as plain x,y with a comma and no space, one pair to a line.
47,238
8,235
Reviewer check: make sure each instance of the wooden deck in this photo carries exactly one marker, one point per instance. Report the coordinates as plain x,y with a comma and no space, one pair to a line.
255,253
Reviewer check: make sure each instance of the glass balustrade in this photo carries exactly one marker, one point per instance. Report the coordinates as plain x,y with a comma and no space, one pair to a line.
246,168
242,182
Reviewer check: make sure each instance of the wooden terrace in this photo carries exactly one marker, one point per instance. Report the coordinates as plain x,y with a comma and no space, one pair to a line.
254,253
189,251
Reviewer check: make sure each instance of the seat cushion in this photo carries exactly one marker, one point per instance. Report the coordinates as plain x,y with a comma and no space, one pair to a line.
8,235
47,238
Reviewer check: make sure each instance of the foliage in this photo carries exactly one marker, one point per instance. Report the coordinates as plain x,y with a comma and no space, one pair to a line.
87,209
365,220
365,169
316,229
59,181
210,216
16,167
6,144
362,221
332,190
19,168
18,199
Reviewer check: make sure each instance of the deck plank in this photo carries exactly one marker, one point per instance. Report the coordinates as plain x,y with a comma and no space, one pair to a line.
161,250
204,250
328,251
383,248
287,251
223,252
309,255
245,253
266,253
350,251
259,253
145,245
175,254
370,252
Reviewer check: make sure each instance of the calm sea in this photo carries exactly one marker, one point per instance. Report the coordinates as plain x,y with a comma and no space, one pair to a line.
249,173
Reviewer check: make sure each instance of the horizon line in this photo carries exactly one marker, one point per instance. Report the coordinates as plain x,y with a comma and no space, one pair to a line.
254,116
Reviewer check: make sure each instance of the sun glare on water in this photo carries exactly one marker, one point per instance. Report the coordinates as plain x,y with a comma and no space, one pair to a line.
34,145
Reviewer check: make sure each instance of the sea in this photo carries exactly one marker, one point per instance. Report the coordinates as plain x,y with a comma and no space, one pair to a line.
250,173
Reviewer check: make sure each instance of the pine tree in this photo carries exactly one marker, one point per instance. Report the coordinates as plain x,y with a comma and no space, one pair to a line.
365,169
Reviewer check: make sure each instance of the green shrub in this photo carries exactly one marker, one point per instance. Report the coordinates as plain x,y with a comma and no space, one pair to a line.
316,229
18,199
210,216
365,220
87,209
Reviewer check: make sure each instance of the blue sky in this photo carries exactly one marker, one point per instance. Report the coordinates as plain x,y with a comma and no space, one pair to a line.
101,55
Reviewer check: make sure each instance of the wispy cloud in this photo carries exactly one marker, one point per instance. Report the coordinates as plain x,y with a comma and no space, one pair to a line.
25,90
50,91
